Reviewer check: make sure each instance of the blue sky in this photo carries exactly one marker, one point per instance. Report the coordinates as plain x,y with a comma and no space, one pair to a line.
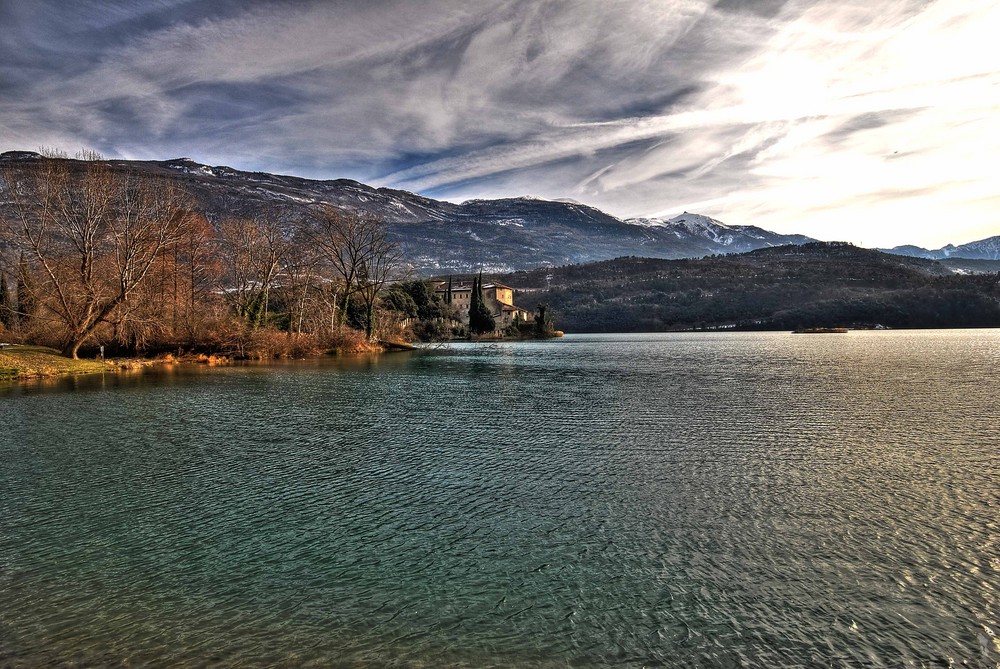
872,122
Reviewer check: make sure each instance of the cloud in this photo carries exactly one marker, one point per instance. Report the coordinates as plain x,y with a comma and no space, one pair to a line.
796,115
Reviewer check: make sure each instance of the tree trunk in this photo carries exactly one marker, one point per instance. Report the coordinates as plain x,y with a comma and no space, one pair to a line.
345,304
370,320
72,349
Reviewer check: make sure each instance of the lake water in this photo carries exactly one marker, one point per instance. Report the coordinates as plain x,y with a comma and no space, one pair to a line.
703,500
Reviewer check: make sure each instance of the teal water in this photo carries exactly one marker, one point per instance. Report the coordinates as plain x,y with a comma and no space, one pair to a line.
723,500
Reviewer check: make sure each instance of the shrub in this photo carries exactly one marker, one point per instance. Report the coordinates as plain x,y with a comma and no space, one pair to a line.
346,340
433,330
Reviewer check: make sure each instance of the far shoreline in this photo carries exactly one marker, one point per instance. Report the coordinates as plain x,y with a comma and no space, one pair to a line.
20,363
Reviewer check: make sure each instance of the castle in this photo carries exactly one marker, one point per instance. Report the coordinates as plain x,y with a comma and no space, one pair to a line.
498,297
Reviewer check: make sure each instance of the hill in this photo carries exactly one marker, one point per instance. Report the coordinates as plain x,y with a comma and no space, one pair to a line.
984,249
495,235
812,285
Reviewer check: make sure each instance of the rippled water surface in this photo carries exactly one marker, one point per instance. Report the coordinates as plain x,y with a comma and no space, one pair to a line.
661,500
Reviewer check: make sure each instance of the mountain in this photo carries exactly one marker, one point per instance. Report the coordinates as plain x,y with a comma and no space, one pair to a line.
984,249
716,235
819,284
500,235
494,235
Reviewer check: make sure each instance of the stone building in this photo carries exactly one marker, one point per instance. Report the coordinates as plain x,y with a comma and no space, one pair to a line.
499,298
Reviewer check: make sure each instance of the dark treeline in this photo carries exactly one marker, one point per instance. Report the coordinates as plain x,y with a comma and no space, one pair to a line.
93,255
428,314
815,285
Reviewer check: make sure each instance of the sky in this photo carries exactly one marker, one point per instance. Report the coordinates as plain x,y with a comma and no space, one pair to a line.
869,121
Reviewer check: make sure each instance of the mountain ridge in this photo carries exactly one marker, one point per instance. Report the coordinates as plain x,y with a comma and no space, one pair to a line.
982,249
819,284
498,235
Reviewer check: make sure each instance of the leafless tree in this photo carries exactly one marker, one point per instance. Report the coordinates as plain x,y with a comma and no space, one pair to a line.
254,250
381,261
303,282
335,234
91,234
198,273
357,248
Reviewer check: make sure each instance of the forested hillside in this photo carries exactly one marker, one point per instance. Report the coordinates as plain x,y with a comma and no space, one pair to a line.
814,285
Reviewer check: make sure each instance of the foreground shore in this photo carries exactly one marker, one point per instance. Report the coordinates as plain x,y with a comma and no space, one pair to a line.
19,362
26,361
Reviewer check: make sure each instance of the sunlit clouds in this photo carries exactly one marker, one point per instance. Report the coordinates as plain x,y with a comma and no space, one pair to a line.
868,122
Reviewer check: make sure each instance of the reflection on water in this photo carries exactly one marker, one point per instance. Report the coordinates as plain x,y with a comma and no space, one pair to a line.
168,374
657,500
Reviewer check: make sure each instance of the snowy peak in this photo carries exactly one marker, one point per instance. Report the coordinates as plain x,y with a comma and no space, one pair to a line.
436,236
715,236
984,249
697,224
703,226
188,166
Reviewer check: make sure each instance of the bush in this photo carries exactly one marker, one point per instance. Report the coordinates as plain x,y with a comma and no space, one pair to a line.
346,340
434,330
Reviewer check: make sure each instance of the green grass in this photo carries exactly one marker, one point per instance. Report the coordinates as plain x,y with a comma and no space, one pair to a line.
33,361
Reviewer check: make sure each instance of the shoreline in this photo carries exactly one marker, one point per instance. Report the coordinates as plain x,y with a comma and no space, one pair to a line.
29,362
22,362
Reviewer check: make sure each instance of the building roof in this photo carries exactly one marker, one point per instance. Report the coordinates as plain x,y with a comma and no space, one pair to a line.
443,286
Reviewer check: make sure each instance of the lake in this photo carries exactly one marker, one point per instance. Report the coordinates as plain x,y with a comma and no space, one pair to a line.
703,500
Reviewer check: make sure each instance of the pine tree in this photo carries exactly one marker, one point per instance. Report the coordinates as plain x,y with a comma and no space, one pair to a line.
486,316
473,304
7,315
543,322
480,319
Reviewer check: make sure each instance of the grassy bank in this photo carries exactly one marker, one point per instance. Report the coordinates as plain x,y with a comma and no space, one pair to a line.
25,362
31,361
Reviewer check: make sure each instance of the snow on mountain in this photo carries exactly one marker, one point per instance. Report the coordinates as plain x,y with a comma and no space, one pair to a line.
726,238
504,234
983,249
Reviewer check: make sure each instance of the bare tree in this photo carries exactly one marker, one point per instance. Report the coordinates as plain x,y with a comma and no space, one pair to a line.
381,260
8,310
356,246
302,280
91,234
336,234
198,270
254,250
182,287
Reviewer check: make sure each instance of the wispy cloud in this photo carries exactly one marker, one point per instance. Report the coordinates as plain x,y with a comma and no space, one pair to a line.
844,120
